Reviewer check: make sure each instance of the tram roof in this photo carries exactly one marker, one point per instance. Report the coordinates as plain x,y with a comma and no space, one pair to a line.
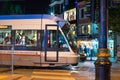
30,16
34,16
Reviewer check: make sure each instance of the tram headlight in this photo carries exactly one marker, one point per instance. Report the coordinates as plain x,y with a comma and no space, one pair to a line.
85,54
83,57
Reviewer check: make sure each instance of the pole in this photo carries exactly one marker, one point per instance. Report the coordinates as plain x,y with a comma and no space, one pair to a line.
77,20
77,16
92,18
12,66
103,64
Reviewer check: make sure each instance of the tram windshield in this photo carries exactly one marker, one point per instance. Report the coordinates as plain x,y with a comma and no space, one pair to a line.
70,35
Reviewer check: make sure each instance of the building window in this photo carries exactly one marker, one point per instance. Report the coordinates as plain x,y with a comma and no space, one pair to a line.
85,29
82,13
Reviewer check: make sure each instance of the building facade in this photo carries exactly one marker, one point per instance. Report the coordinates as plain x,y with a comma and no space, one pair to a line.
84,29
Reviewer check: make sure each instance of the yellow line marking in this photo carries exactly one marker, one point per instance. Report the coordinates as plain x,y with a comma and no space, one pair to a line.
52,73
3,76
53,77
51,70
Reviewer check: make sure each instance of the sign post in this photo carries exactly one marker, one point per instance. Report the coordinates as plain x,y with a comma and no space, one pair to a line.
12,66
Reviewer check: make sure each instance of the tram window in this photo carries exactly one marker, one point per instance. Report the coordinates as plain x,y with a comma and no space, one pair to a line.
26,37
5,37
62,42
52,41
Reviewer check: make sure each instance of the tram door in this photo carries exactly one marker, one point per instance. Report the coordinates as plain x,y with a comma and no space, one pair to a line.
51,43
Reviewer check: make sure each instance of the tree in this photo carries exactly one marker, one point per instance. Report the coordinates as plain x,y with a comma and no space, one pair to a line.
114,19
5,8
9,7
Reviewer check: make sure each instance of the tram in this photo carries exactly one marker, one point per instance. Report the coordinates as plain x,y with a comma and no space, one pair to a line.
34,40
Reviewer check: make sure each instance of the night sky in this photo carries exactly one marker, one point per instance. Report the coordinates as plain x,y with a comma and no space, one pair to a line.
29,6
37,6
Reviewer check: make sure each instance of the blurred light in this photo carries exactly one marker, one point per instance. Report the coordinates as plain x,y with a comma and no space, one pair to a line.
110,31
51,13
73,32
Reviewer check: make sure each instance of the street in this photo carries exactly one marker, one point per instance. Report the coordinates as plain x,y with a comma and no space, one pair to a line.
83,71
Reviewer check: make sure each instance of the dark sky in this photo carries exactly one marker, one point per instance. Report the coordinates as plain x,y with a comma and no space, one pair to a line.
37,6
29,6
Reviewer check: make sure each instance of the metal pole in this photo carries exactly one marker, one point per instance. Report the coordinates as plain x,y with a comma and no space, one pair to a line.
77,19
77,14
12,66
103,64
92,18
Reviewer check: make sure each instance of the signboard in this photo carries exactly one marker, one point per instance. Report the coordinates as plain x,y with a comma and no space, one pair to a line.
70,15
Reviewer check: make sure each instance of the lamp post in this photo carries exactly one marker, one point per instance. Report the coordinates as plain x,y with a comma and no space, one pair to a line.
102,64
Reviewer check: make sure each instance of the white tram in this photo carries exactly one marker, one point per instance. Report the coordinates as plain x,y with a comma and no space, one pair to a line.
38,40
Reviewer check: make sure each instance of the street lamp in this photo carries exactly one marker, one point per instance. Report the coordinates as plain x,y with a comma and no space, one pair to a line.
103,64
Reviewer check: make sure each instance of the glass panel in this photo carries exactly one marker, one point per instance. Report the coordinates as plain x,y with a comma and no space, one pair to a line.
69,32
52,41
94,28
5,37
62,43
40,43
26,37
51,38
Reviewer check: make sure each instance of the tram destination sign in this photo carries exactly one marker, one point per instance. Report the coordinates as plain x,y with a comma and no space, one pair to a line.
5,26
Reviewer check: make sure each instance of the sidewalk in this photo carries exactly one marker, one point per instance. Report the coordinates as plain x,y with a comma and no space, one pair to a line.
86,70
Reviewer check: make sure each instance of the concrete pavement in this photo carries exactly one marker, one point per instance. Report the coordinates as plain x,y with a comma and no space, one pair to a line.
37,74
86,70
